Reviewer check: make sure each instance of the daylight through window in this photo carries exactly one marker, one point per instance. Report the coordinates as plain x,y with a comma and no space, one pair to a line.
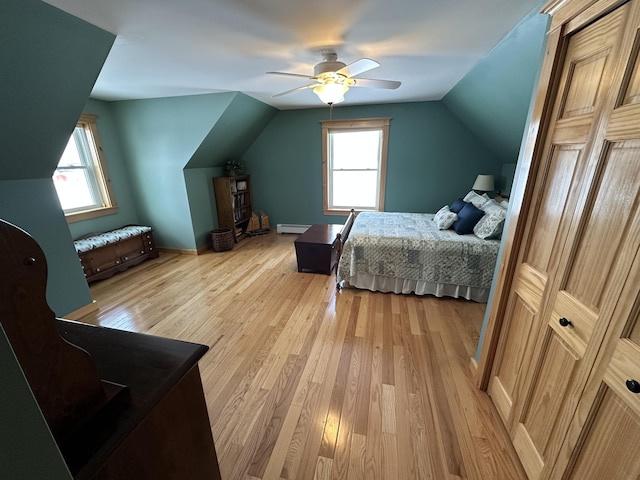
354,164
81,179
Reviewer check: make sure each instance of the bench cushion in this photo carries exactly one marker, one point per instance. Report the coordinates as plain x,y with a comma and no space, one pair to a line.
94,241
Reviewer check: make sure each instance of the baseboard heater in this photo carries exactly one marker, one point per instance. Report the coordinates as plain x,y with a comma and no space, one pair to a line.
292,228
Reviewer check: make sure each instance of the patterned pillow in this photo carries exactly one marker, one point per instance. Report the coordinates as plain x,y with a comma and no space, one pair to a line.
442,211
477,200
491,206
492,223
444,218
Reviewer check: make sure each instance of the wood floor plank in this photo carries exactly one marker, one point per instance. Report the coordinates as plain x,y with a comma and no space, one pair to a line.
390,457
387,340
373,460
332,423
406,460
303,381
323,469
361,420
356,458
313,442
388,409
302,432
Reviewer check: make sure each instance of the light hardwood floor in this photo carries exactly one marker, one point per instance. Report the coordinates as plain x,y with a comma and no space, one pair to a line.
303,382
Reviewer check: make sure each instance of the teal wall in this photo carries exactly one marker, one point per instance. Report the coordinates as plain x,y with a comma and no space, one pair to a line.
493,98
33,206
162,137
236,129
202,206
509,169
50,61
159,137
433,159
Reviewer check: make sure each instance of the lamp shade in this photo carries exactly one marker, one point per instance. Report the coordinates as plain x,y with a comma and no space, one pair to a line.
483,183
331,93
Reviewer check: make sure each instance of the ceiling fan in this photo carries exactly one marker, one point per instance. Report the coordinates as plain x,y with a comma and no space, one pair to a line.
332,78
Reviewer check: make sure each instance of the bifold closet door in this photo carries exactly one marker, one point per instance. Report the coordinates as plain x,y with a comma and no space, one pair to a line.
604,269
557,311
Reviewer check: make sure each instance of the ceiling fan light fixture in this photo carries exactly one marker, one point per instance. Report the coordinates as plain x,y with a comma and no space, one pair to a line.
331,93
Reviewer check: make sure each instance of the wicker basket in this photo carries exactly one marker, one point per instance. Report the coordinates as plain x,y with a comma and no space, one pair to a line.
222,239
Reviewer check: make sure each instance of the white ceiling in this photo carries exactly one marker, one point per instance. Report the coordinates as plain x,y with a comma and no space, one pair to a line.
170,48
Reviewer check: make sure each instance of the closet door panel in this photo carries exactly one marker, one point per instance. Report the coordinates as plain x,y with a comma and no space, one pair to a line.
560,246
631,91
528,290
610,450
547,234
603,437
576,319
565,170
607,224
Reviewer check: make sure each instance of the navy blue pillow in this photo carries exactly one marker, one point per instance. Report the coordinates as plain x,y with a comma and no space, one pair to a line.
467,219
457,205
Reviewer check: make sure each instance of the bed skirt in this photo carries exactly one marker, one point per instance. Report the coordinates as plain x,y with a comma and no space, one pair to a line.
380,283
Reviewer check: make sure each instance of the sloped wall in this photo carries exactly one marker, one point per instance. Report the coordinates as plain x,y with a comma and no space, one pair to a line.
493,98
50,61
163,137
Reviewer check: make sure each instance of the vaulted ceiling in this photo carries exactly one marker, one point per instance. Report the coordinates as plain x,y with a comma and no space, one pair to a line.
168,48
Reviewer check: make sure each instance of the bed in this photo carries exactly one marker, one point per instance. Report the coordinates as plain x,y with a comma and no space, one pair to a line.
408,253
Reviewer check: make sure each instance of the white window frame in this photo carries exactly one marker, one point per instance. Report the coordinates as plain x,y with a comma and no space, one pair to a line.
331,126
87,123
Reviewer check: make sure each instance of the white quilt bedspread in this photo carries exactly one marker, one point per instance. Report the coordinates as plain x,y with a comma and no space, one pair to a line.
408,246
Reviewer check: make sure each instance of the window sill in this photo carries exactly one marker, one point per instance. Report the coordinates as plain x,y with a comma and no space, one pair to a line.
89,214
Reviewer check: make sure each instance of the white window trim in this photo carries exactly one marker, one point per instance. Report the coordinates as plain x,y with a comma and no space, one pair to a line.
88,122
354,124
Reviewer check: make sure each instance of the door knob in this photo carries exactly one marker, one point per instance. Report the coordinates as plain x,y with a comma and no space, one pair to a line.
565,323
633,385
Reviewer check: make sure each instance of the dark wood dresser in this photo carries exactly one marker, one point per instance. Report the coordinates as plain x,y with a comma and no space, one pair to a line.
162,429
120,405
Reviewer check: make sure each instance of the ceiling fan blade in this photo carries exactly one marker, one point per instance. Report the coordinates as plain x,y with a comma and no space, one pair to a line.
358,67
292,75
369,82
311,85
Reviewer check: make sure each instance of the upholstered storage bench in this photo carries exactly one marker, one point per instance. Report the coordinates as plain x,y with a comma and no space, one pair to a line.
104,254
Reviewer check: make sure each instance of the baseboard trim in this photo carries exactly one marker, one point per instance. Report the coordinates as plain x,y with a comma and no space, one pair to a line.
179,251
203,249
473,366
82,311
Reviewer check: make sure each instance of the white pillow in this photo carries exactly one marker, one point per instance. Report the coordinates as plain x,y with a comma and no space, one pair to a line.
491,206
475,199
445,218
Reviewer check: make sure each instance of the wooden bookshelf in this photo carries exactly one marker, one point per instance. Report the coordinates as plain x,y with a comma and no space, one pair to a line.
234,203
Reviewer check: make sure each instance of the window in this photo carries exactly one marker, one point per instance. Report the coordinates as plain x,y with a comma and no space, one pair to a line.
354,164
81,179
